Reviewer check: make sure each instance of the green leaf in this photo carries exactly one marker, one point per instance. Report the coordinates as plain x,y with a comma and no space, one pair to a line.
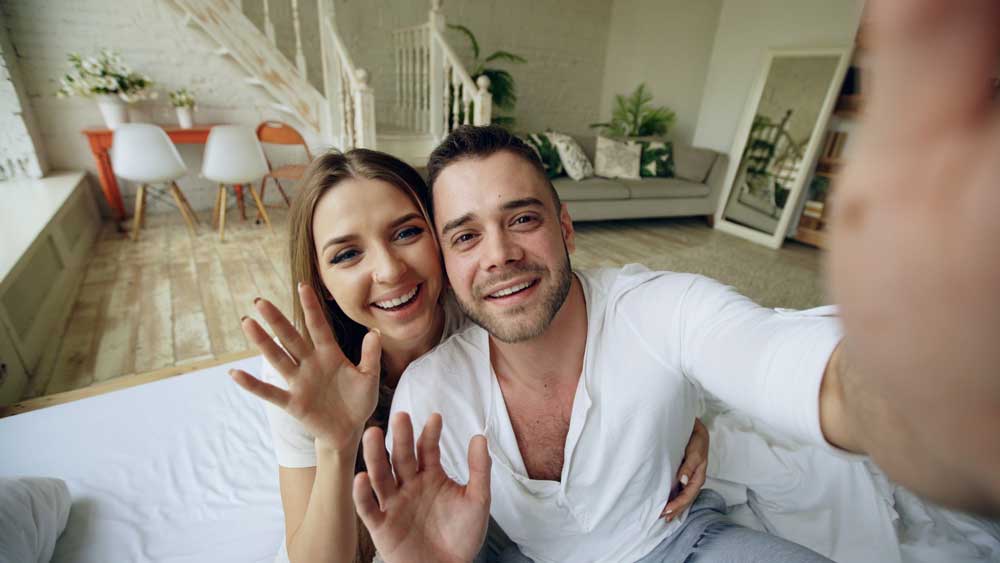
506,56
633,116
501,88
505,121
472,38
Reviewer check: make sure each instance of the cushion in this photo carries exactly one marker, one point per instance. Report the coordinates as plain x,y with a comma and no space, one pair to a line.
574,160
33,512
694,164
547,153
590,189
587,143
617,159
660,188
657,159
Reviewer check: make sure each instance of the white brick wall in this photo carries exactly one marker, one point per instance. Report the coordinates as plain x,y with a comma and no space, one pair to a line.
152,39
21,153
559,88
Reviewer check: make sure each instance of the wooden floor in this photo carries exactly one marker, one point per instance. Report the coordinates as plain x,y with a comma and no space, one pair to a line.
171,299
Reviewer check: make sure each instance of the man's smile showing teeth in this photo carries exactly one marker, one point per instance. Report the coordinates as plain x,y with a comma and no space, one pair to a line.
398,301
512,289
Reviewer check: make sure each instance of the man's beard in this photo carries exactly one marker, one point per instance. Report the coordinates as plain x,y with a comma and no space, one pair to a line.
534,321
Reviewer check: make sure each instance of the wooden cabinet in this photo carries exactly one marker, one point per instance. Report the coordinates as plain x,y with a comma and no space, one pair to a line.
48,230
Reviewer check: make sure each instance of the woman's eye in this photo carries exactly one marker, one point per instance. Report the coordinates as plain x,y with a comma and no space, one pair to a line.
343,256
409,232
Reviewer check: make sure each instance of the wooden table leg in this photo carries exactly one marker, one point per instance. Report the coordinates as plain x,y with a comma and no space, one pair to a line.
109,185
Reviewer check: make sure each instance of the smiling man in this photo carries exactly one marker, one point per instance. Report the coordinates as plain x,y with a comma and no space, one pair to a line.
585,385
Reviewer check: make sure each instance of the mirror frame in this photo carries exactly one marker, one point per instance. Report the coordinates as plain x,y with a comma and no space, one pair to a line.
809,159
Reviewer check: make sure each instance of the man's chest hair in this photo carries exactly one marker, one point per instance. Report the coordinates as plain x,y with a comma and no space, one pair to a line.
541,438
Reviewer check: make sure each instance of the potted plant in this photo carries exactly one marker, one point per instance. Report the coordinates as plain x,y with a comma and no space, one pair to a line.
502,88
183,101
106,78
634,116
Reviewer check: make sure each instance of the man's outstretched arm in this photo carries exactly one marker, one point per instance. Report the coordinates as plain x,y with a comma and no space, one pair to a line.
915,257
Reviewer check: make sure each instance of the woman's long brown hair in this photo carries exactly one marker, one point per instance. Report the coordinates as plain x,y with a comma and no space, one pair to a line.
324,173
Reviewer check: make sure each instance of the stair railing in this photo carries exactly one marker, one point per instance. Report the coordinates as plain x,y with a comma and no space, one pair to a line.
434,91
350,99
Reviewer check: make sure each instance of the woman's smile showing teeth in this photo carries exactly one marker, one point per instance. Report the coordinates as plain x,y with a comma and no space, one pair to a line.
398,302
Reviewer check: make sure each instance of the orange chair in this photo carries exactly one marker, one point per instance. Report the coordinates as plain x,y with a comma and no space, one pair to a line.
278,133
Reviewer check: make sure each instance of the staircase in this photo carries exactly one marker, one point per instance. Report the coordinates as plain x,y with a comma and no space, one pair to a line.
329,99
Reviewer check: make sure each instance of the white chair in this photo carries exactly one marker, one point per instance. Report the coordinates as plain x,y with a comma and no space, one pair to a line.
142,153
234,156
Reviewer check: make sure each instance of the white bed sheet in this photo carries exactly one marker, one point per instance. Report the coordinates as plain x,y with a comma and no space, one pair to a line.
178,470
183,470
841,506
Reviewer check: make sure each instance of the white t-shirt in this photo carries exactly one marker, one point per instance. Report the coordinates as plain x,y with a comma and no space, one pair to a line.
294,446
655,340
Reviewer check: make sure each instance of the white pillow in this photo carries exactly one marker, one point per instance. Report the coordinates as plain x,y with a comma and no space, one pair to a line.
615,159
574,160
33,512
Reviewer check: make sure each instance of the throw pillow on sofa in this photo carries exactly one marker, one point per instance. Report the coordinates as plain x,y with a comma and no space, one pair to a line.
657,158
693,164
617,159
574,160
547,153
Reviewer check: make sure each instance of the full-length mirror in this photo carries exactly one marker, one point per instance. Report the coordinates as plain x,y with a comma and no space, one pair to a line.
777,139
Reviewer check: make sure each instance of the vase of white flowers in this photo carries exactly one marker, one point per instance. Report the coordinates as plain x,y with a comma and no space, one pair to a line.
108,79
183,101
113,110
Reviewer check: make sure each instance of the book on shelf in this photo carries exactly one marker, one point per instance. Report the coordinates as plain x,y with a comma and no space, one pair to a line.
814,209
807,222
834,145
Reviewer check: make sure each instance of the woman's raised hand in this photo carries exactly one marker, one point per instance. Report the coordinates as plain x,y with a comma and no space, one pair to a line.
328,394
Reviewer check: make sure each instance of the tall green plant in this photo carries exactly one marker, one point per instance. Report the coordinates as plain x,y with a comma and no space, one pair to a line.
634,116
502,88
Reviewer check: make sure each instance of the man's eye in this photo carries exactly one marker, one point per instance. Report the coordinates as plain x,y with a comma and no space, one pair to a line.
524,219
409,232
464,237
343,256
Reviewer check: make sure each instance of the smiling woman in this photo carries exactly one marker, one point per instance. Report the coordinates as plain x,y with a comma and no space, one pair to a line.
365,261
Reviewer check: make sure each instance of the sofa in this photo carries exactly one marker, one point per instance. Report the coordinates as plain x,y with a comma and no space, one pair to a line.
695,190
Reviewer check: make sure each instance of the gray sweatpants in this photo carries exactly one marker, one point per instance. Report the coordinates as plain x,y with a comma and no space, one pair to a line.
708,536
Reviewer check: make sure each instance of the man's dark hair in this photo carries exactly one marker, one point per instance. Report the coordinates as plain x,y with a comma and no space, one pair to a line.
469,141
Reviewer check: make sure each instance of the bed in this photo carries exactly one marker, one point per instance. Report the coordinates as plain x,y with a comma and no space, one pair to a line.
182,470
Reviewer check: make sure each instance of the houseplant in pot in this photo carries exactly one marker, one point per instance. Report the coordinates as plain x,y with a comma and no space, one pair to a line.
183,102
502,89
635,116
106,78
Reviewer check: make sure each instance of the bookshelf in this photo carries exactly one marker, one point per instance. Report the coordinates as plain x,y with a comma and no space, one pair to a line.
811,226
